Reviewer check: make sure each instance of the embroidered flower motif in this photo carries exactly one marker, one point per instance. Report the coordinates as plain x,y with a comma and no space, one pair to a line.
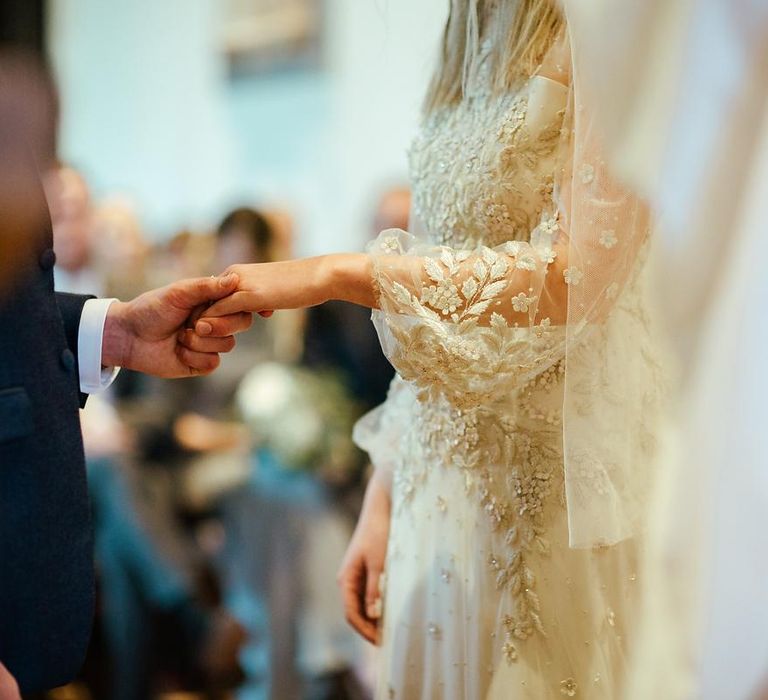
526,262
547,255
434,631
509,651
406,484
443,296
531,491
608,239
390,245
587,173
521,302
568,687
512,248
445,575
573,275
543,327
550,226
547,187
592,473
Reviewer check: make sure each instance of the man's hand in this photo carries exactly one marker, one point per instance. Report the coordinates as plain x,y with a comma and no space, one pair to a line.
8,688
150,333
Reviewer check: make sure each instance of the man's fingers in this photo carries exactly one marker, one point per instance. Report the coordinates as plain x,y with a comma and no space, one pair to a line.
188,294
9,689
196,314
189,339
224,325
198,362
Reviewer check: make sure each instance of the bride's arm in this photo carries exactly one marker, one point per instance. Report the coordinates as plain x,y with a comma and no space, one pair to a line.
294,284
488,281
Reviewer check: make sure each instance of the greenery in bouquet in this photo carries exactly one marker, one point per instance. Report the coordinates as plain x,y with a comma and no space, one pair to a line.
303,417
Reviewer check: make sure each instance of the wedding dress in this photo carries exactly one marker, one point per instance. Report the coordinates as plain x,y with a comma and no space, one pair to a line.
519,432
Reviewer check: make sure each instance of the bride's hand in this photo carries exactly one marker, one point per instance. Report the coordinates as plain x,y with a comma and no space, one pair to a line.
363,565
293,284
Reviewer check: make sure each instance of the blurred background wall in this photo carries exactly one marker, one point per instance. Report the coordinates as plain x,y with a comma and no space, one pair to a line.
150,110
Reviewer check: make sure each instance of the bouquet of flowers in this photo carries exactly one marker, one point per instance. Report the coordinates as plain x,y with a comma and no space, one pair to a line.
303,417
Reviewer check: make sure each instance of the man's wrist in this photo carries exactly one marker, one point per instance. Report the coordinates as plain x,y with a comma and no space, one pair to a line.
118,337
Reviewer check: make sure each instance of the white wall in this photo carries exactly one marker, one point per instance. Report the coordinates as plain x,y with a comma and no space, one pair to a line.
149,111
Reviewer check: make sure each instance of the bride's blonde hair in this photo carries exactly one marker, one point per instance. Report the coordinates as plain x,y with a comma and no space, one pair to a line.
520,37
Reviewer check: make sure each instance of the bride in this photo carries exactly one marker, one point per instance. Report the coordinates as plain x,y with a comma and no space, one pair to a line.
513,454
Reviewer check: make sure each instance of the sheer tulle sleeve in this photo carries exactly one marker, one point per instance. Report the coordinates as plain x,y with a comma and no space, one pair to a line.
475,324
384,426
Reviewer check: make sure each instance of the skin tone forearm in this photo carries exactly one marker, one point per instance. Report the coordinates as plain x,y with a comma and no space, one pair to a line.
294,284
350,277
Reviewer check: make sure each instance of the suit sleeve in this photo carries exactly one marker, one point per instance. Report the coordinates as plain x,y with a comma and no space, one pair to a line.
71,309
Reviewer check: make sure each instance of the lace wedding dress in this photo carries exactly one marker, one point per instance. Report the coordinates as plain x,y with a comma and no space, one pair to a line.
512,569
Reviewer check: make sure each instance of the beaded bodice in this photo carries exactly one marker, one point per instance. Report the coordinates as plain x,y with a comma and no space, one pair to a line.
482,170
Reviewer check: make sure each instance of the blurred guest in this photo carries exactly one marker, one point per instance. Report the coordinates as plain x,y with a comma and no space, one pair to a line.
283,525
393,210
186,253
152,618
243,235
69,202
203,416
285,534
119,247
150,564
340,334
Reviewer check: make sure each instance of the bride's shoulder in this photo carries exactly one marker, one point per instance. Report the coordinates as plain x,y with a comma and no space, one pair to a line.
556,65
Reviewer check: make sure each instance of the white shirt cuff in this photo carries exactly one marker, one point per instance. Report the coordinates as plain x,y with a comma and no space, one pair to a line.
93,376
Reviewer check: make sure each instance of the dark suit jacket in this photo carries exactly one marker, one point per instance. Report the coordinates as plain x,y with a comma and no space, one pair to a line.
46,568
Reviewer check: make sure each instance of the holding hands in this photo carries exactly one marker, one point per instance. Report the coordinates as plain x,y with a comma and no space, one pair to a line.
292,284
153,333
180,330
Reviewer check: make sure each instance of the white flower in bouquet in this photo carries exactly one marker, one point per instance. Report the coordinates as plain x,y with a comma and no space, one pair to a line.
295,437
304,417
265,391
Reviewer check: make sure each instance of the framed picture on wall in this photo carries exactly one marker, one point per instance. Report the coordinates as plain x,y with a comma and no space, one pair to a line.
259,36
